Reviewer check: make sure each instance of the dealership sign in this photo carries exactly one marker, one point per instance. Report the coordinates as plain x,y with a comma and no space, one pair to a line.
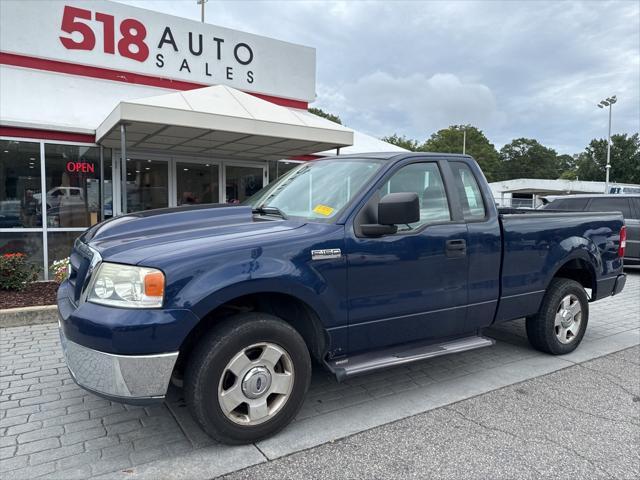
128,39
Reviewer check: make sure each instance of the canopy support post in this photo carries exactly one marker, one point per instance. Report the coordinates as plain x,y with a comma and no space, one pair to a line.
102,183
123,166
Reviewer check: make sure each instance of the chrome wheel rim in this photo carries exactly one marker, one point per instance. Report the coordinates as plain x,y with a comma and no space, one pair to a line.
256,384
568,319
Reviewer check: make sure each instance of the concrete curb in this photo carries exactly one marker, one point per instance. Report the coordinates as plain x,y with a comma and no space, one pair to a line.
18,317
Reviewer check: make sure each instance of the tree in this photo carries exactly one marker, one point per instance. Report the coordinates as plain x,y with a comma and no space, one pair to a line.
323,114
449,140
567,162
527,158
568,165
625,160
402,141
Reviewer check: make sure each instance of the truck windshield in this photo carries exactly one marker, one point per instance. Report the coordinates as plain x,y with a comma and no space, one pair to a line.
316,190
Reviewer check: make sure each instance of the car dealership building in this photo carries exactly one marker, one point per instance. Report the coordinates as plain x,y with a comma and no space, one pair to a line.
107,109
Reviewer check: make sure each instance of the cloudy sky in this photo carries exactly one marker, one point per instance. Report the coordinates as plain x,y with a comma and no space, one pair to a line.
514,69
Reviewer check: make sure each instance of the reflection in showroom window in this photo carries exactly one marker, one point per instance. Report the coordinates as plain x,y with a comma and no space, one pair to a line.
73,185
28,243
20,204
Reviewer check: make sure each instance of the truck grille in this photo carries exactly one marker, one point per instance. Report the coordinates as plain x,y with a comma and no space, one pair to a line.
81,260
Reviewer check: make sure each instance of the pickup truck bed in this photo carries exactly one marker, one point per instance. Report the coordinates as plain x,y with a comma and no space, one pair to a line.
535,242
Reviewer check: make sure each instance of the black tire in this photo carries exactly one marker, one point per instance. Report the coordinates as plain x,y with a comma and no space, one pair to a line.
541,327
209,359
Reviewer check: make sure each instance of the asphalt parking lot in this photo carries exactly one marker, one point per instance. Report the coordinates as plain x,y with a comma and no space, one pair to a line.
579,422
50,427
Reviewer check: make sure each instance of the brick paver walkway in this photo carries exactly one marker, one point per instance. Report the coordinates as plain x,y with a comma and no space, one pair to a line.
50,427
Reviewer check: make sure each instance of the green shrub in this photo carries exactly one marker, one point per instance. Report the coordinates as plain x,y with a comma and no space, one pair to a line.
15,272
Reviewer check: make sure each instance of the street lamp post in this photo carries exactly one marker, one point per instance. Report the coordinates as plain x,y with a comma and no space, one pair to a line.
608,102
202,2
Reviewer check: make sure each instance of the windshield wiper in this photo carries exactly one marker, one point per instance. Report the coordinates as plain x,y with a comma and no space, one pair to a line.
267,210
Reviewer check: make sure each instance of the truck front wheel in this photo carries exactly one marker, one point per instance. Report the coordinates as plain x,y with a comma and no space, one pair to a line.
561,322
247,378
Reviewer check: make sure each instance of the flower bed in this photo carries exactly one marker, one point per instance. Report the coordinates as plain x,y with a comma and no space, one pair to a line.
39,293
18,287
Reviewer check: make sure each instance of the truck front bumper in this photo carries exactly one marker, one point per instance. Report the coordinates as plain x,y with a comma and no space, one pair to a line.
122,354
133,379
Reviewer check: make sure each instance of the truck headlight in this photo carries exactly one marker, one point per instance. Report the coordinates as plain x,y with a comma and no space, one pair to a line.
127,286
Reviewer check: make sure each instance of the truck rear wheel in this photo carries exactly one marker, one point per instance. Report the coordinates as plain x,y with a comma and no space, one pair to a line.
561,322
248,378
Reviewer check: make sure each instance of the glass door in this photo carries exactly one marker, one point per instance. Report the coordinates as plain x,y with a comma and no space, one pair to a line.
147,184
197,183
242,181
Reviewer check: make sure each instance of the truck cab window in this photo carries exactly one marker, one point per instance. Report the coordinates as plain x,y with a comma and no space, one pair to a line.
469,192
425,180
317,190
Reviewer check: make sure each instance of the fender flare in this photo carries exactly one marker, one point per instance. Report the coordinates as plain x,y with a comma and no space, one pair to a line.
260,286
579,252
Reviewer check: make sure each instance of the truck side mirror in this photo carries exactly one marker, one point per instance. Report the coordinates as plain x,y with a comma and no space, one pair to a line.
394,209
399,208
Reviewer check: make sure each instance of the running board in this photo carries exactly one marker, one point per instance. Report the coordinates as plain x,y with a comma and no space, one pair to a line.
401,354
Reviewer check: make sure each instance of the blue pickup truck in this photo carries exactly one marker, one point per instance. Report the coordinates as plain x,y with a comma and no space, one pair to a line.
358,262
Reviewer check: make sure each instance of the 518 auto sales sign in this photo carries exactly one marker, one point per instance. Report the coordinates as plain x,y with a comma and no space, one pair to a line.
128,39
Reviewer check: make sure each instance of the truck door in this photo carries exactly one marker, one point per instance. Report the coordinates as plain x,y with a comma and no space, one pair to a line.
484,244
411,285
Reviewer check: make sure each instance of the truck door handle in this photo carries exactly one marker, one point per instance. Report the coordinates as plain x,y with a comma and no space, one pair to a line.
456,248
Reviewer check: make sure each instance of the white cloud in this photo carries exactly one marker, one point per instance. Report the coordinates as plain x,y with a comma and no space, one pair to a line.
513,68
414,105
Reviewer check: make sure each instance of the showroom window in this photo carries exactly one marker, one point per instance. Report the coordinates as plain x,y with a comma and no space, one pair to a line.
20,198
277,168
49,194
147,184
60,244
197,183
29,243
72,180
73,185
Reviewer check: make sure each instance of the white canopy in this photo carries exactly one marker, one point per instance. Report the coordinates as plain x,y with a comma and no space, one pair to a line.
363,143
220,121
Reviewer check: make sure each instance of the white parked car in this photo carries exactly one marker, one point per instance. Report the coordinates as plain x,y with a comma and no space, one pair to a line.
65,195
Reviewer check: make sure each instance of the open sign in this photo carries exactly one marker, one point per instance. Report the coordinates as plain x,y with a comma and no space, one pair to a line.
84,167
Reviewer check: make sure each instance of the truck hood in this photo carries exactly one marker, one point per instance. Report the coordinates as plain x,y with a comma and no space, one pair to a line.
132,238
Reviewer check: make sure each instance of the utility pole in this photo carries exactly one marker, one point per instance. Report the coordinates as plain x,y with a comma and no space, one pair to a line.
608,102
201,3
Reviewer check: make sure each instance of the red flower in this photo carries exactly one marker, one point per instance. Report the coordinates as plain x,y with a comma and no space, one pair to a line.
13,255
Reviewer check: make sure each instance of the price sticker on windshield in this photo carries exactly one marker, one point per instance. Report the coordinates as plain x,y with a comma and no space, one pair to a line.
323,210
